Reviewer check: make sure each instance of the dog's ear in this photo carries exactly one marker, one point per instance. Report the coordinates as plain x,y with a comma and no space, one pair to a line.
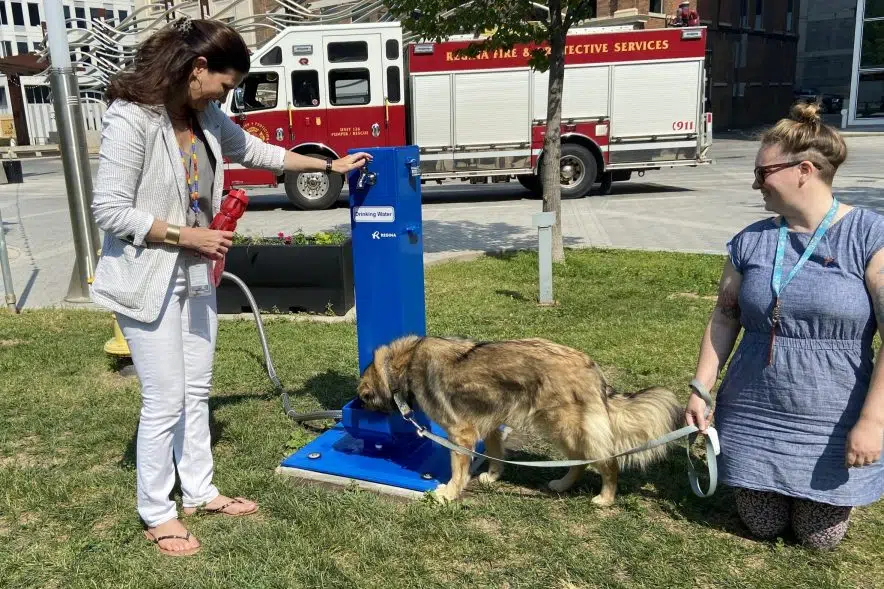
382,370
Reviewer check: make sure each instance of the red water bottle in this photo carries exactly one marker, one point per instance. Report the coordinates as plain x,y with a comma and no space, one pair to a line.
232,208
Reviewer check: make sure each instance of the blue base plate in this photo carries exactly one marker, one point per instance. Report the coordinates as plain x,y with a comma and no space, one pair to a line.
411,463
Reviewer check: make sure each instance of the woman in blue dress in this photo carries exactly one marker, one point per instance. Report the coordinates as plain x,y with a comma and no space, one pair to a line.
800,411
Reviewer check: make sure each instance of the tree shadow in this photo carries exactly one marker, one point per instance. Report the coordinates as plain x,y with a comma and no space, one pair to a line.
469,236
330,389
862,196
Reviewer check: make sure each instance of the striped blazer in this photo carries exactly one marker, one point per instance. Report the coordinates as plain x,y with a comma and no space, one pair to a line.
140,178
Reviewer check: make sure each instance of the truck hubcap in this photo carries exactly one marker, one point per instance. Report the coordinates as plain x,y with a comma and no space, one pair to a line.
312,185
570,170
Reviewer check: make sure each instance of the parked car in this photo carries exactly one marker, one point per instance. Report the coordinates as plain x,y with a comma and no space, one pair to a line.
831,103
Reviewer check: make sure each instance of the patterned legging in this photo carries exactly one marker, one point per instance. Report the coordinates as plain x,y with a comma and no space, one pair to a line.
767,515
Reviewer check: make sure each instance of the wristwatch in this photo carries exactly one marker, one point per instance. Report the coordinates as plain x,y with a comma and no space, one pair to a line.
328,165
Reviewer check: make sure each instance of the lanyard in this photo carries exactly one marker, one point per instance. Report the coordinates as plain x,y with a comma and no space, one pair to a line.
777,283
777,278
192,183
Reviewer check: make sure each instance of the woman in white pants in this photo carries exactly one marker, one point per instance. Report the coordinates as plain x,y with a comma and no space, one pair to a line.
158,187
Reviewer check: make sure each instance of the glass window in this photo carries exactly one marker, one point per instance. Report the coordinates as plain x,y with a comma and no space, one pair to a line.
874,9
3,18
34,14
7,48
260,91
393,89
392,49
349,87
873,44
22,47
4,104
870,95
67,16
655,6
790,7
123,15
80,14
18,16
347,51
305,88
274,57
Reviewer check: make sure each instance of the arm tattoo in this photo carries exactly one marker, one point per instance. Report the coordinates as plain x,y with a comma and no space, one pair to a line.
729,305
879,305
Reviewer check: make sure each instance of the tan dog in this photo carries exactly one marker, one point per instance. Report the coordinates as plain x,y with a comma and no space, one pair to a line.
470,389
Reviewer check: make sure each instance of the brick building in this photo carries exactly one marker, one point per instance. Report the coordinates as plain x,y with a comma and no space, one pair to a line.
752,49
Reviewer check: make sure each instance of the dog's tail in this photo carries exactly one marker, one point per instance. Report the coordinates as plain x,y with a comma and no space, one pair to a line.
640,417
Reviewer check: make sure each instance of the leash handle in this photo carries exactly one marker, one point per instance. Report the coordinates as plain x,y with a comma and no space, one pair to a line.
703,392
713,447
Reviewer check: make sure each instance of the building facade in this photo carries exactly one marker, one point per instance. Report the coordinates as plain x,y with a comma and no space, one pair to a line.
866,104
826,32
751,52
22,32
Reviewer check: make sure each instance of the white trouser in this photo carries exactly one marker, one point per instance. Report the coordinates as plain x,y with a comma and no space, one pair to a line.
173,359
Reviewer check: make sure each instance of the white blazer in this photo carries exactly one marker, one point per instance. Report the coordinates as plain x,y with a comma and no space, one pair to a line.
141,178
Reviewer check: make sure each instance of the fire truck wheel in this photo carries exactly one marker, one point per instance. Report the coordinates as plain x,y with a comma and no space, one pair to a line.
313,191
607,180
577,169
532,183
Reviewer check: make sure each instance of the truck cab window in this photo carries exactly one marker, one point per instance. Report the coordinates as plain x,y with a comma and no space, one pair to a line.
349,87
260,91
305,88
345,51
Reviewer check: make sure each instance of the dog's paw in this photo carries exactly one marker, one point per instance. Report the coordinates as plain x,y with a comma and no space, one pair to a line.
445,494
558,485
603,501
486,478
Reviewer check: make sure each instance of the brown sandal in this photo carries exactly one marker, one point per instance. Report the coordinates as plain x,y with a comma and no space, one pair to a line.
220,510
166,551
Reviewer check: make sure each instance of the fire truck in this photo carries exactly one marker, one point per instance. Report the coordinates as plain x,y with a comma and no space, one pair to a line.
633,101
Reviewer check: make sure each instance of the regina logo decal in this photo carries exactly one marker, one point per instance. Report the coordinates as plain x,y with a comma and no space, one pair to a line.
258,130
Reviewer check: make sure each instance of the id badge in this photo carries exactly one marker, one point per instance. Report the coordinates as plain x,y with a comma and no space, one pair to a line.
198,279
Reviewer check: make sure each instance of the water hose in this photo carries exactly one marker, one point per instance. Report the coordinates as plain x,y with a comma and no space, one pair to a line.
268,361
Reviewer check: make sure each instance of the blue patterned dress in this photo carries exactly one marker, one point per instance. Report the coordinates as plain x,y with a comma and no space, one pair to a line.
783,427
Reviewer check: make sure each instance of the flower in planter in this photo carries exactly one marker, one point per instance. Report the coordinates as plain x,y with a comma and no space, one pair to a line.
298,238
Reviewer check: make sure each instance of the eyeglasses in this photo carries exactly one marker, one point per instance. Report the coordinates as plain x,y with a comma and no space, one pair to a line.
762,172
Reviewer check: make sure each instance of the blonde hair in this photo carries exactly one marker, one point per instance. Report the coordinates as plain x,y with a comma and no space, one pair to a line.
805,136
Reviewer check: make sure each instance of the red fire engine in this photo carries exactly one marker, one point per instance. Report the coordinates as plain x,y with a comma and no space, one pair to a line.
633,101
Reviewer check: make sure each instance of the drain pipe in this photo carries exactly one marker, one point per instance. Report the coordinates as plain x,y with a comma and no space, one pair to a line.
7,271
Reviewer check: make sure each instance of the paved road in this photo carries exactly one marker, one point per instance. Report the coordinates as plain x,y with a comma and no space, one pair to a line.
693,210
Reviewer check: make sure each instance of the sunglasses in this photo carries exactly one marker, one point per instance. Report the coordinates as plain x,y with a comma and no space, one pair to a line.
762,172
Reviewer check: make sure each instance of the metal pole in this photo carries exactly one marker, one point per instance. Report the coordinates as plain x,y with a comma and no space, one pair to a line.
7,271
74,154
544,223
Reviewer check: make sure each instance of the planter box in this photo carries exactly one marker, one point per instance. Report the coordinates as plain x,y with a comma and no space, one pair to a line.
289,278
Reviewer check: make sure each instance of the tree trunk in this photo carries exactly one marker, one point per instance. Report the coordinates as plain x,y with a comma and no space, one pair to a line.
552,148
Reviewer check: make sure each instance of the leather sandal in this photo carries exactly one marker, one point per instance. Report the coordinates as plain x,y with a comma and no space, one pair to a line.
166,551
220,510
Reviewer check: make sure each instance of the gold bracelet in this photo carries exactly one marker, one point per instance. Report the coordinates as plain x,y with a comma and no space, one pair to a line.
173,235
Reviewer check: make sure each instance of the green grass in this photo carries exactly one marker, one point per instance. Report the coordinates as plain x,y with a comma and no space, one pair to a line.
67,478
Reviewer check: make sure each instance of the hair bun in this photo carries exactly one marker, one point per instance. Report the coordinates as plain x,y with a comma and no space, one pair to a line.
807,113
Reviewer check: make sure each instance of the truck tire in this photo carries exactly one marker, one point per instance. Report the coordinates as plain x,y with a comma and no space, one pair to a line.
532,183
313,191
577,170
607,180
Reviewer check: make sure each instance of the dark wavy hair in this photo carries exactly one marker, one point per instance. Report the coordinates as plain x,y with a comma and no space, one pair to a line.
163,63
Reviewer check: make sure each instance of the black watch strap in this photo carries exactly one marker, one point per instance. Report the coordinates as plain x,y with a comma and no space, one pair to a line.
328,165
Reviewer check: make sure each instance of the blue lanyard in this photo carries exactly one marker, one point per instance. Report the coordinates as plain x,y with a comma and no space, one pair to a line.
777,282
